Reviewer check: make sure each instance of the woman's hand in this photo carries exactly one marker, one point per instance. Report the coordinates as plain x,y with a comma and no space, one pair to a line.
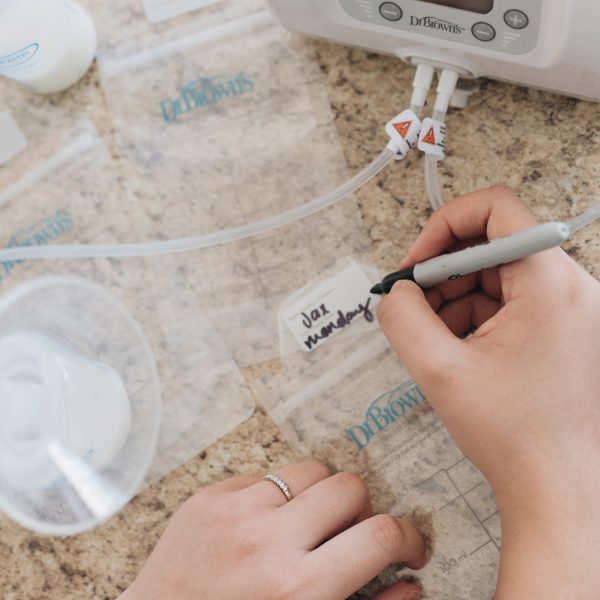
521,396
241,538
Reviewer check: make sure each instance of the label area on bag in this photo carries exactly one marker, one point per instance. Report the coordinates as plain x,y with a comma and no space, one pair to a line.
12,141
161,10
331,306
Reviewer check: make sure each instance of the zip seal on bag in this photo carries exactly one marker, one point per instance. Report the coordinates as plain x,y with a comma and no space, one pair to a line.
158,11
12,140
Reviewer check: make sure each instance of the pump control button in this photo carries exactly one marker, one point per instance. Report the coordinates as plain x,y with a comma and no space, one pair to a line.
516,19
484,32
390,11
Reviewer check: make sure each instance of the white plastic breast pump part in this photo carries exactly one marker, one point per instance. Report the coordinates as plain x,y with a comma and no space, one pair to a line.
51,393
46,45
80,405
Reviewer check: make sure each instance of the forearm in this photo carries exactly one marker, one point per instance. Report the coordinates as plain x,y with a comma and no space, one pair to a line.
551,550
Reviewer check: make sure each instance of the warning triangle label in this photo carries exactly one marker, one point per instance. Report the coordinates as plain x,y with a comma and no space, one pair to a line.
430,137
402,128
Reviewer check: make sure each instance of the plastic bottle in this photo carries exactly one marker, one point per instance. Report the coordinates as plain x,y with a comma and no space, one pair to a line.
46,45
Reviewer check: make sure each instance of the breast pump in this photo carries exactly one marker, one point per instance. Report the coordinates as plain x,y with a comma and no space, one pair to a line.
545,44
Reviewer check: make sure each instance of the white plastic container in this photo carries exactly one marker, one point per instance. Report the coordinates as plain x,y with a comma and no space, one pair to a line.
46,45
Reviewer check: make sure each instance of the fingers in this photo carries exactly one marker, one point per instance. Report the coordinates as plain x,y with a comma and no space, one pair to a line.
400,591
298,477
488,281
416,333
326,508
467,312
360,553
233,484
492,213
450,290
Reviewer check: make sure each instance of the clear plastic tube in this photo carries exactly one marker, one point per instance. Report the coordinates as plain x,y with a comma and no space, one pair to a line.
432,182
202,241
445,90
591,215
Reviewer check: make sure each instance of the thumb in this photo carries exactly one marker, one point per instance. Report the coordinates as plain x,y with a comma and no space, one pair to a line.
418,336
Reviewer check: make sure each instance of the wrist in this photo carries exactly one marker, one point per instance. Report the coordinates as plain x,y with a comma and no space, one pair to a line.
550,536
544,491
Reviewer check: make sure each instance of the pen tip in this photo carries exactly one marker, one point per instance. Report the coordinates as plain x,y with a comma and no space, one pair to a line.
377,289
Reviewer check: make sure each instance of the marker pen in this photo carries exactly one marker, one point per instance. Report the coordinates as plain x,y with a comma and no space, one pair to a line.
501,251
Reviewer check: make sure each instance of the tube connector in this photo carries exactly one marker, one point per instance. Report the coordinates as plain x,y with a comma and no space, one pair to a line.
421,86
445,90
404,131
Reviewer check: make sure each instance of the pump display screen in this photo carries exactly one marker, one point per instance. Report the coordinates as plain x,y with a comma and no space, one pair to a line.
479,6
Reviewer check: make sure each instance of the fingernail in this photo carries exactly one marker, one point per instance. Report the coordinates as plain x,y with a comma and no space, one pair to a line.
414,594
411,594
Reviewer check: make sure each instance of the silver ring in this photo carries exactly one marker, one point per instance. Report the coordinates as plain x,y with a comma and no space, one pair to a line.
280,483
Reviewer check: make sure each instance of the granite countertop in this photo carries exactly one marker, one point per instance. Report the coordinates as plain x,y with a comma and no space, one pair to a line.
545,146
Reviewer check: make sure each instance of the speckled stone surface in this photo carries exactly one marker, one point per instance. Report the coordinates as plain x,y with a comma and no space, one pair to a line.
545,146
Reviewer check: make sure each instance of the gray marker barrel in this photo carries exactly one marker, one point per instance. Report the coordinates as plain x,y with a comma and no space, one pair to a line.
486,256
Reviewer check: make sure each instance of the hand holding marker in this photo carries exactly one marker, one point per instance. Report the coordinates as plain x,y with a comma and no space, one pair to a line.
477,258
